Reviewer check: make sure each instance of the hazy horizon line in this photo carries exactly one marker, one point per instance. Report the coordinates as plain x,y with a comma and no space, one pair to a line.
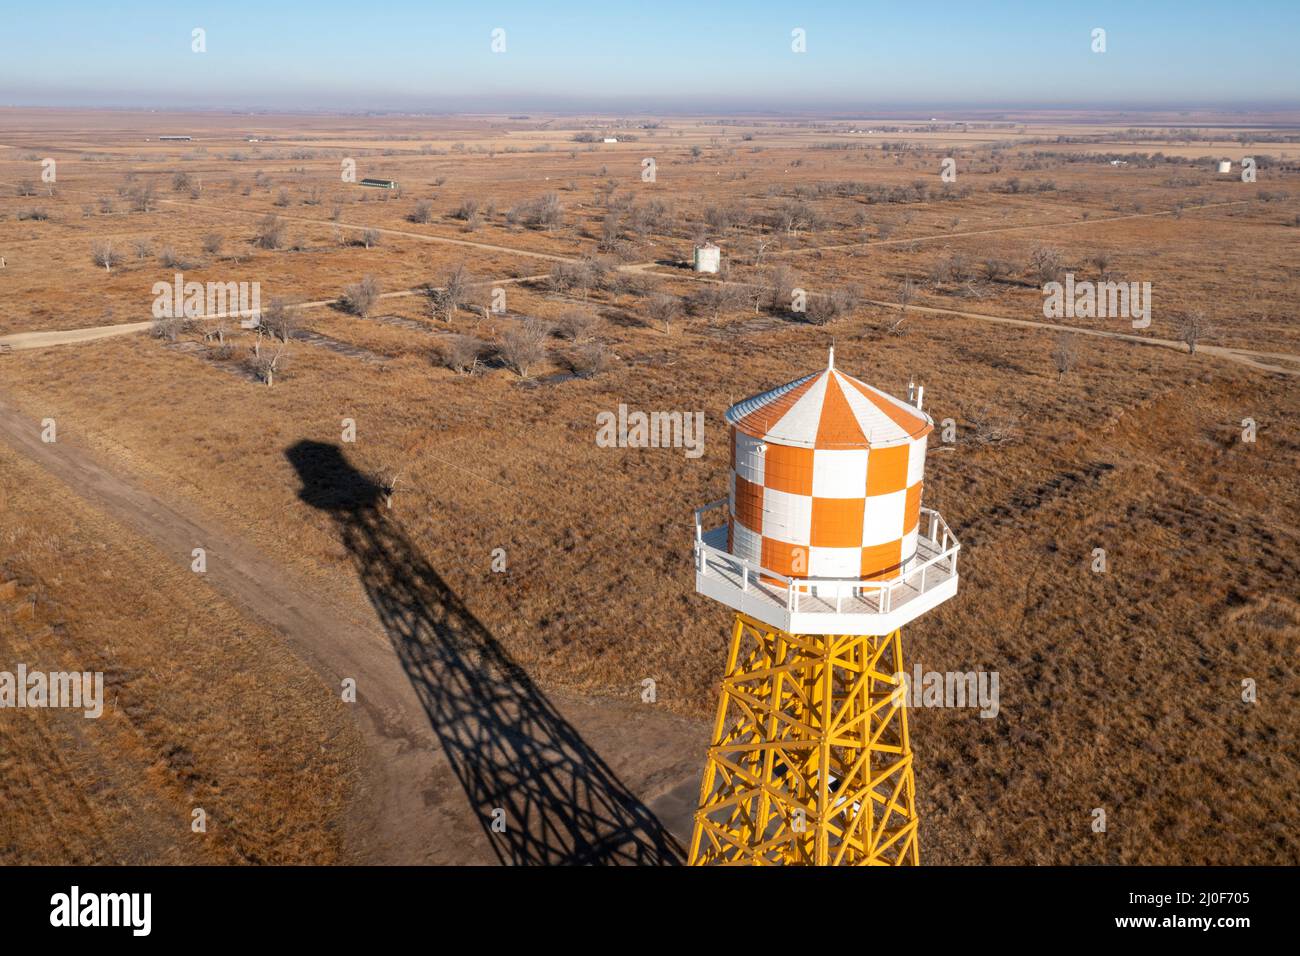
634,106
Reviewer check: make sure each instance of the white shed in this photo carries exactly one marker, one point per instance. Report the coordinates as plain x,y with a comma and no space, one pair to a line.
708,258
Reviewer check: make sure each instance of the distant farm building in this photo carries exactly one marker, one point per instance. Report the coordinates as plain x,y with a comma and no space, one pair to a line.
380,183
708,258
175,139
1225,165
611,139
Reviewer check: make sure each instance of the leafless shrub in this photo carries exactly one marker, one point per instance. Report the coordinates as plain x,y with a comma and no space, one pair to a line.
523,346
36,214
212,243
422,213
781,283
26,188
168,328
611,231
590,359
993,428
269,233
360,297
282,199
143,248
831,305
995,270
171,259
712,299
572,277
181,181
544,213
1046,264
461,353
106,205
577,325
142,197
1065,354
105,255
664,308
369,238
950,269
467,210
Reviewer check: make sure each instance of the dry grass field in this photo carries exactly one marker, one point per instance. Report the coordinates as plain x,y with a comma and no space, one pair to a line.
1120,690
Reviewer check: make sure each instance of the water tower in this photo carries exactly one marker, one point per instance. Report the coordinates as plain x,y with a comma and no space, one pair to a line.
825,553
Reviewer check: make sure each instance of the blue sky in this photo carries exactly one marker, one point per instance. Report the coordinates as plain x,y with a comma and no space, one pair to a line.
631,55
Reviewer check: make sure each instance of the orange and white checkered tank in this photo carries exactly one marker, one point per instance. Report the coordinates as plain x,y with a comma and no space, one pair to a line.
826,478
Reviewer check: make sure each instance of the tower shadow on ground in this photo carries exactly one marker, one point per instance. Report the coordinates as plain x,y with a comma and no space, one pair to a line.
507,744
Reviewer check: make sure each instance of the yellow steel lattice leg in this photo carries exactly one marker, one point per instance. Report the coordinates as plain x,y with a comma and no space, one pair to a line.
810,761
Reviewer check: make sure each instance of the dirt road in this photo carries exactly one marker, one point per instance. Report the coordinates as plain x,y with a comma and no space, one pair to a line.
601,775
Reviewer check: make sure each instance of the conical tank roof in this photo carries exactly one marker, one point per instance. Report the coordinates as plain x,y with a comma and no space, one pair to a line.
829,409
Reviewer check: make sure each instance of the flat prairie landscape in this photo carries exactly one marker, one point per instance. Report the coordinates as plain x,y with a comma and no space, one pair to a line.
397,489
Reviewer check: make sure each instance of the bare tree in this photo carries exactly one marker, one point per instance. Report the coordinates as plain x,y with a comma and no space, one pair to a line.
590,359
105,255
523,346
181,181
1046,264
996,269
279,319
906,293
267,364
423,212
389,478
578,325
664,308
461,353
1065,355
714,298
370,238
453,293
171,259
215,331
467,210
269,233
832,305
1192,328
781,285
168,328
360,297
547,212
142,197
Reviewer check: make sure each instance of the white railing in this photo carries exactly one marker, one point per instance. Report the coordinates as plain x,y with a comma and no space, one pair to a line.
935,535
